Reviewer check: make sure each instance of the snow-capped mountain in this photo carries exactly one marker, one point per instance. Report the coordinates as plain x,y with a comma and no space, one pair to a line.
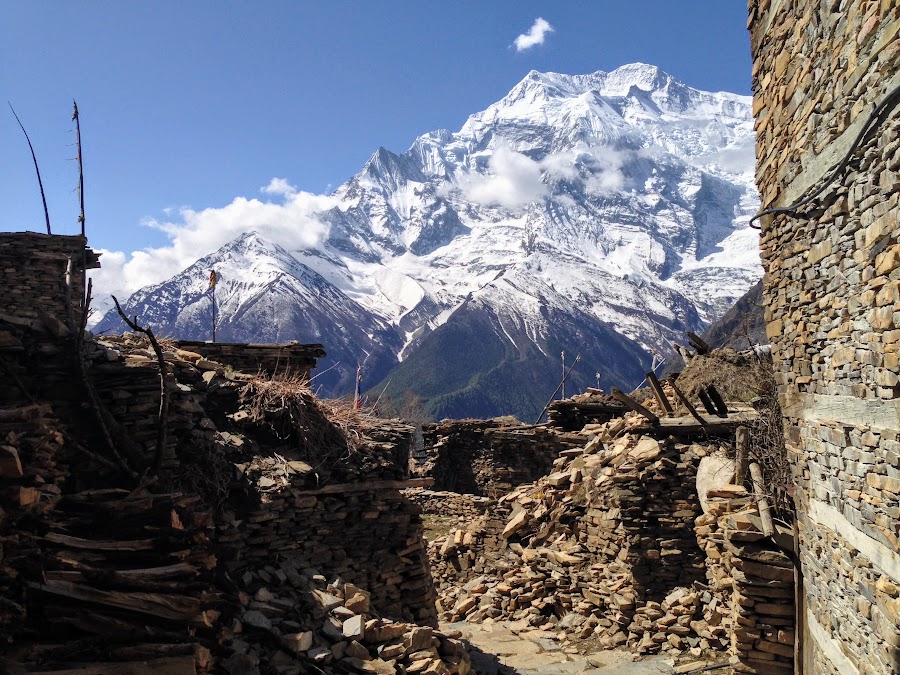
599,214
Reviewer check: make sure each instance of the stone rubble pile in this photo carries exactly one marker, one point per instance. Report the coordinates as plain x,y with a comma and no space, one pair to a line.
603,547
294,621
628,541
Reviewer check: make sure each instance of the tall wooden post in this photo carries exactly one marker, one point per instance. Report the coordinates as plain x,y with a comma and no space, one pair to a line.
562,394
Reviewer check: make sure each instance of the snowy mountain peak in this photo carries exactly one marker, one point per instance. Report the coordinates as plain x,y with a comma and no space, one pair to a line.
603,213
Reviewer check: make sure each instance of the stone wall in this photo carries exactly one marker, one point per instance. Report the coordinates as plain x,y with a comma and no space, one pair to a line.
832,295
33,274
484,457
368,535
284,482
35,335
466,507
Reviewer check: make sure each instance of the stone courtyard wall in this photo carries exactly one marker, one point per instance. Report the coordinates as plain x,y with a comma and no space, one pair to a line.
832,297
483,457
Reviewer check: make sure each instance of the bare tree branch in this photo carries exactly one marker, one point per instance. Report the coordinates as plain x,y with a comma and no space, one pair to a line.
162,423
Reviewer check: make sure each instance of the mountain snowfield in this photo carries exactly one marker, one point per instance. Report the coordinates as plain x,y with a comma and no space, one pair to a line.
601,215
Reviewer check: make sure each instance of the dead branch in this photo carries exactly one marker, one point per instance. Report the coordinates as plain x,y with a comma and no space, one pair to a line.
162,428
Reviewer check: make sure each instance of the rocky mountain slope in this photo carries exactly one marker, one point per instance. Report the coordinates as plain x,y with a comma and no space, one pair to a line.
601,215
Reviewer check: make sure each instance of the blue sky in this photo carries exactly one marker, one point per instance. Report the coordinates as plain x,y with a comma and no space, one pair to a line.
191,104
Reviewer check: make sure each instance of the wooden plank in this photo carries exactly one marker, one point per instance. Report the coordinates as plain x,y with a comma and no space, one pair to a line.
164,606
172,665
707,403
162,572
687,404
340,488
77,542
717,401
27,412
634,405
698,343
659,393
711,423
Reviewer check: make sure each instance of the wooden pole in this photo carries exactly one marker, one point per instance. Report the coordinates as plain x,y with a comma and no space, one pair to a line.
765,513
80,164
659,393
741,447
563,385
538,420
634,405
687,404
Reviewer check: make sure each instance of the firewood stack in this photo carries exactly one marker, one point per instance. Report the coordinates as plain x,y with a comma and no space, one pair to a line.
104,576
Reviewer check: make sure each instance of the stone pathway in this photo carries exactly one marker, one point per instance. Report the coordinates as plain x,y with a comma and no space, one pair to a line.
505,652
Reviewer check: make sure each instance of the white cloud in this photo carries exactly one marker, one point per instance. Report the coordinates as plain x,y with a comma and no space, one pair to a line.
294,224
513,180
535,35
279,186
598,168
606,177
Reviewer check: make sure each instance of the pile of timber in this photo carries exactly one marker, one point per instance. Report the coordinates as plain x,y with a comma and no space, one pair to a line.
105,580
291,358
751,574
592,407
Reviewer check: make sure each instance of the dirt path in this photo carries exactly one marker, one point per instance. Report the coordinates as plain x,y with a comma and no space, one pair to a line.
506,652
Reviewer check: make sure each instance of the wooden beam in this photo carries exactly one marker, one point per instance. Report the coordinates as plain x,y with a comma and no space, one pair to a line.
707,403
659,393
765,513
742,446
634,405
687,404
717,401
163,606
171,665
339,488
77,542
698,343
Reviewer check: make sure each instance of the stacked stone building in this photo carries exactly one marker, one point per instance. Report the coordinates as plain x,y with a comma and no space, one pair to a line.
825,82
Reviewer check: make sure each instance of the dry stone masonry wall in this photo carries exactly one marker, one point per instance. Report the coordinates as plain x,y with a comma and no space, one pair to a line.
273,534
489,457
832,295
